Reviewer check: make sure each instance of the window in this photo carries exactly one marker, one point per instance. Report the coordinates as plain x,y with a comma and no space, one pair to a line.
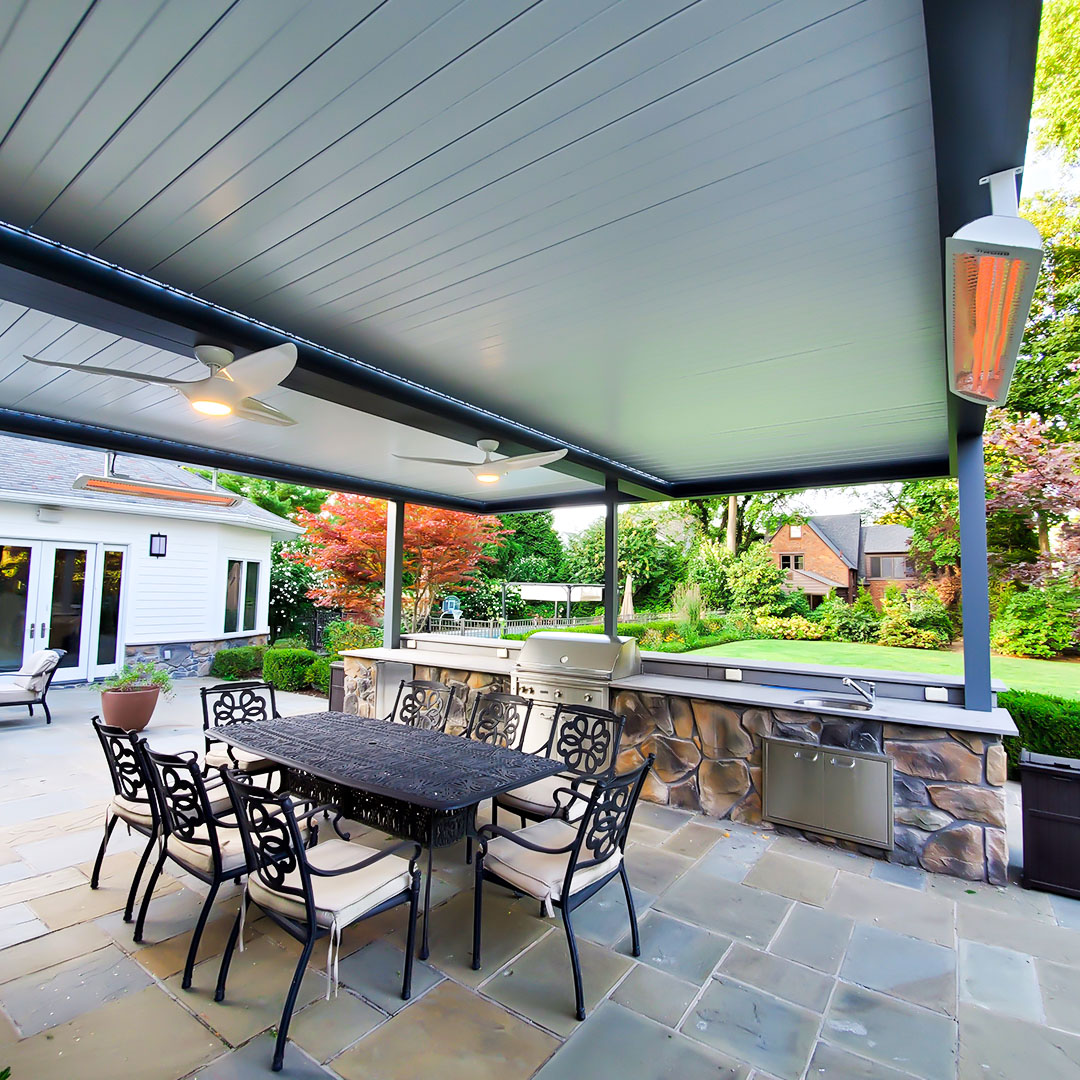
791,562
795,532
889,566
241,595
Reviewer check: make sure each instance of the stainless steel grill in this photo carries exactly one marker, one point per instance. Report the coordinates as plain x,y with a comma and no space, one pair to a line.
574,669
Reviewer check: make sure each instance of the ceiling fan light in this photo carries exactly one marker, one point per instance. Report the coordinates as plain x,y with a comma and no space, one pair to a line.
211,408
488,477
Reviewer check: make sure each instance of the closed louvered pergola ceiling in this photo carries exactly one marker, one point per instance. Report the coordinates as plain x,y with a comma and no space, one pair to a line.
697,241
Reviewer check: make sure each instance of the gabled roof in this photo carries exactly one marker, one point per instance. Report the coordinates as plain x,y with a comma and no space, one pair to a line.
886,539
841,533
43,472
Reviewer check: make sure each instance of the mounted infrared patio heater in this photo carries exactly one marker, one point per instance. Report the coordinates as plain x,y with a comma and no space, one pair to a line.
991,266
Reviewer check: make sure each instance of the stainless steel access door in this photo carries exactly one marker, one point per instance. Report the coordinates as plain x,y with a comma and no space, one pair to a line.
858,796
794,784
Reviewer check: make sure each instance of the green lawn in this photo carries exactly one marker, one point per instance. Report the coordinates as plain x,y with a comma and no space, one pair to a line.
1060,677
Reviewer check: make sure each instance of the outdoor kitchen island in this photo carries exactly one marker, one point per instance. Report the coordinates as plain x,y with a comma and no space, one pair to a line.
914,778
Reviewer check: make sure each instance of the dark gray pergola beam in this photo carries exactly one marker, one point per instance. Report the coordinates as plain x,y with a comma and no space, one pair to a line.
611,559
395,555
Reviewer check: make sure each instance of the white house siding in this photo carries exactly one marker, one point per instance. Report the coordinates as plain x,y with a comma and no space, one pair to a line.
173,608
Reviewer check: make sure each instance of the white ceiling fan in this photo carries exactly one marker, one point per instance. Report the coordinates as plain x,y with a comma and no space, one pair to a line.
491,470
230,387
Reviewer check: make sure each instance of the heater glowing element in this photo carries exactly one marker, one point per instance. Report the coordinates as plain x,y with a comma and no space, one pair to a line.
147,489
991,266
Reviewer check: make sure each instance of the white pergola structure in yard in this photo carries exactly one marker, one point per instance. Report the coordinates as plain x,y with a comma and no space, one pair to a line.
698,244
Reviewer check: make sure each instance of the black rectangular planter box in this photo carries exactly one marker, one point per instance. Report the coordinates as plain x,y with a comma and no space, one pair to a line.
1051,798
337,686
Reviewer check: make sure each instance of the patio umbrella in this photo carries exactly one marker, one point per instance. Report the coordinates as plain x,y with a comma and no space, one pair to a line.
626,609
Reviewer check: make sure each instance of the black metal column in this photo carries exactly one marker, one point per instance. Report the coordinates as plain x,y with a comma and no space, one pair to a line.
974,574
395,544
611,559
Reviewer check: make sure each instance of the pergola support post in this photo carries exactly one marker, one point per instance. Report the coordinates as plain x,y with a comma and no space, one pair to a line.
395,546
975,580
611,558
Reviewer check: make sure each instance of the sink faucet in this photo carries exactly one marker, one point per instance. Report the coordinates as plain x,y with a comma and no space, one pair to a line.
865,689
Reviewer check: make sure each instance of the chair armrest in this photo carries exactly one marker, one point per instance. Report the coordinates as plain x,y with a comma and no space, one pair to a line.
370,861
573,796
487,832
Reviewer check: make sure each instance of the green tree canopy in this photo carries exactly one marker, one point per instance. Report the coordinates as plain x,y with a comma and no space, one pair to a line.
276,496
1057,79
534,538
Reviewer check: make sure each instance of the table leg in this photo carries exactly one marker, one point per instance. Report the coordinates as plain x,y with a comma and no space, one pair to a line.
427,890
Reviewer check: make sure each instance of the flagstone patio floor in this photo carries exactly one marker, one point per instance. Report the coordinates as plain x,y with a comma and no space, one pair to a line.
762,956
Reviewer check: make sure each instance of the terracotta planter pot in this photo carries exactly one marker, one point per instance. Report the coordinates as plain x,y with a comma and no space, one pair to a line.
129,709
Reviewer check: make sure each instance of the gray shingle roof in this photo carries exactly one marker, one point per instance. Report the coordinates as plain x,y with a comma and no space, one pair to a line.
44,471
841,533
886,539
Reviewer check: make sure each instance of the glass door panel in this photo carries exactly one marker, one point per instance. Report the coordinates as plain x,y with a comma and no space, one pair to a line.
112,571
65,610
15,587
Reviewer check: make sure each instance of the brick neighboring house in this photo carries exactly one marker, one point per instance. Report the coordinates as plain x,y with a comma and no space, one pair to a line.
838,552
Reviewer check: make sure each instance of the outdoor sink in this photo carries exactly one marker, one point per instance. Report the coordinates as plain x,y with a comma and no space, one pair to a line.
850,704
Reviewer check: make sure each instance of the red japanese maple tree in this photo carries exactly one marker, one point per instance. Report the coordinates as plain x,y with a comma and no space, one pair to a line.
346,547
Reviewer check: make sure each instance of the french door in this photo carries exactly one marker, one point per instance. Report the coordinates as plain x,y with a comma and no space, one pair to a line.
61,596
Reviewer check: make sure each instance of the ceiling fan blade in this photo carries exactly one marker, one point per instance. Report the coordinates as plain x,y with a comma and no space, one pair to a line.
528,461
252,409
436,460
261,370
135,376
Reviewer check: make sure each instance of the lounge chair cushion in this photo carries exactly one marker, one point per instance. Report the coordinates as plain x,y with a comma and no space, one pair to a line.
34,673
537,873
13,694
538,798
345,898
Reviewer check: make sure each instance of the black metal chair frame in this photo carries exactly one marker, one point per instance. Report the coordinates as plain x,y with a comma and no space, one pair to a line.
420,706
132,782
577,745
280,852
236,703
184,806
601,831
40,699
499,719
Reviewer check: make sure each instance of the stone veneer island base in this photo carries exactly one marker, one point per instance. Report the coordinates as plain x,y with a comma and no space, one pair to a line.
948,781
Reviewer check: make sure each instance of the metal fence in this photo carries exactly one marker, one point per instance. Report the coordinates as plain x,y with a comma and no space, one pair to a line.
493,628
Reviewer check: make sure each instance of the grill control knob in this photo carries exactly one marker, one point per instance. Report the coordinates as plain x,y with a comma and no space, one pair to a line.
558,693
588,697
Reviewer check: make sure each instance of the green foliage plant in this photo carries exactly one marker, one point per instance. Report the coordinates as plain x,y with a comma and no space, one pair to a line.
243,662
287,669
1038,622
342,634
317,676
143,675
756,582
291,643
848,622
1047,724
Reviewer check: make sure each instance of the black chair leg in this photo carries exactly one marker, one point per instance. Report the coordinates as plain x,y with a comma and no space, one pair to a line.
226,958
193,950
410,941
478,895
579,993
129,907
468,850
290,1004
150,886
48,715
30,709
110,825
630,906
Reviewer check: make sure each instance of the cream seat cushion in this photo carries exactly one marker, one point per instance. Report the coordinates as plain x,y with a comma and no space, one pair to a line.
217,757
134,810
201,857
538,798
345,898
539,874
16,695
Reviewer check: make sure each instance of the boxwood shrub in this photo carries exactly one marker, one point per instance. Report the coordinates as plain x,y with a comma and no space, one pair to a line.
1047,725
243,662
318,675
287,669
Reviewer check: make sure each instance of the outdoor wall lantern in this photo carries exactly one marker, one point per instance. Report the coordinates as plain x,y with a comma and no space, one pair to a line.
991,266
158,542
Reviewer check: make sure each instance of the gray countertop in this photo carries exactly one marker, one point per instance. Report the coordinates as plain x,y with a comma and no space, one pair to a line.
894,710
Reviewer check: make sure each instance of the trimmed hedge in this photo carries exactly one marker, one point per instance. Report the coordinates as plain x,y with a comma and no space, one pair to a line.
318,675
1047,725
243,662
287,669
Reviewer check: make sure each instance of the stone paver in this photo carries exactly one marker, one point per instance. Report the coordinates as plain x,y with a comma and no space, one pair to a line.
917,971
762,954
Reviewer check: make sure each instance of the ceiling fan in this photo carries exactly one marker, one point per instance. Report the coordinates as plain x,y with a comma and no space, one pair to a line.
491,470
230,387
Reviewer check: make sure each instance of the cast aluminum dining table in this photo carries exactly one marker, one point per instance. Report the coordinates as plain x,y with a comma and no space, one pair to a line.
409,782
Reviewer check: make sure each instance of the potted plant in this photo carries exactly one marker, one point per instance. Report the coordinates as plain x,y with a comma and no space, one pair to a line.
129,697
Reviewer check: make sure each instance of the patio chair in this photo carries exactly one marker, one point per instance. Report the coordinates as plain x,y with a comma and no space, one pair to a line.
133,800
562,863
30,684
422,703
313,893
198,832
586,740
235,703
